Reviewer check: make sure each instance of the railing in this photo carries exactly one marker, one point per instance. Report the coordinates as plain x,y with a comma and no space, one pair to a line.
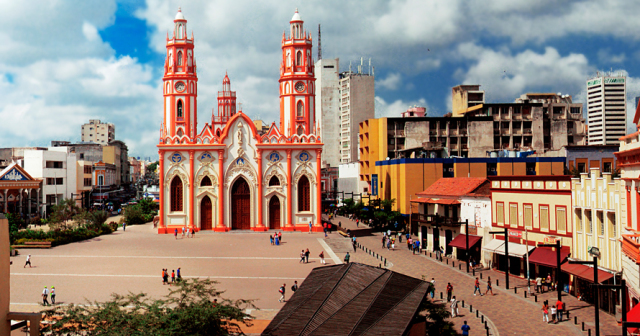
436,220
226,94
220,119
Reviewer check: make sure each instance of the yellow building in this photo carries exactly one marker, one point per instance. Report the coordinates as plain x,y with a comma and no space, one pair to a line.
535,209
599,211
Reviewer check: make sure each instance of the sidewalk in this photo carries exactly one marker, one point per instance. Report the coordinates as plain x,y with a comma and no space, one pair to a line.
499,309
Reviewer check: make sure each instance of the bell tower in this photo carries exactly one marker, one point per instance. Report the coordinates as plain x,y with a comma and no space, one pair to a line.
297,81
226,106
180,83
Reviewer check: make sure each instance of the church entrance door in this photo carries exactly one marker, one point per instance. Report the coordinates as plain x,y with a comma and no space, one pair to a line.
240,205
206,217
274,213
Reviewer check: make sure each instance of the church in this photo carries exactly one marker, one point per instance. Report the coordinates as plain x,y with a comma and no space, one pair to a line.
227,176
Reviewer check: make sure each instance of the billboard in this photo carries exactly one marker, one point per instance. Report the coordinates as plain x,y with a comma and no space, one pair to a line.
374,184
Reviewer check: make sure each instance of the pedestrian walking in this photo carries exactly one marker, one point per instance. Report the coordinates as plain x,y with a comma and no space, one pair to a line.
477,287
193,232
325,230
409,243
560,310
354,245
346,258
124,225
357,223
53,295
183,232
399,238
454,307
553,314
175,233
465,329
165,276
277,240
433,287
179,275
45,295
388,243
280,236
437,253
302,255
187,232
384,238
548,282
294,288
282,291
441,252
271,239
489,288
449,291
310,226
28,261
306,255
538,284
173,276
545,311
322,258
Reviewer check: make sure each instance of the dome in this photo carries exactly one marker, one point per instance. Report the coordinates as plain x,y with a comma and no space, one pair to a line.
296,16
179,16
226,79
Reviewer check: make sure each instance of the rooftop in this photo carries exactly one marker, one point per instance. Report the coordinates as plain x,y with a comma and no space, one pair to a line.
455,186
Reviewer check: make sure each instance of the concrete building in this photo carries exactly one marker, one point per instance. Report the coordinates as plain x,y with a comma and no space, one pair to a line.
116,153
464,97
84,183
357,95
348,179
328,106
87,151
98,132
57,167
134,169
584,158
607,108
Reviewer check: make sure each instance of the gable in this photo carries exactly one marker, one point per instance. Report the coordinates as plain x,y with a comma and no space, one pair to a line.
14,173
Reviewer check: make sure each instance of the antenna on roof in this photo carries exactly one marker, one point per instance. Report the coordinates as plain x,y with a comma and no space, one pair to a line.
319,43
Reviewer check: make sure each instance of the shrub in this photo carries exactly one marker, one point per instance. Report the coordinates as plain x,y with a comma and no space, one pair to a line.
113,225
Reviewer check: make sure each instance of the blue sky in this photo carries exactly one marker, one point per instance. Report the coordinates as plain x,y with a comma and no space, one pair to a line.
72,61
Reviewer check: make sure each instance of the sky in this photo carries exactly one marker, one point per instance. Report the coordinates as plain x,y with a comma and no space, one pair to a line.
64,62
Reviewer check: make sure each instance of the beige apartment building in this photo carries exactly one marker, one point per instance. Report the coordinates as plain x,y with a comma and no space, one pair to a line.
98,132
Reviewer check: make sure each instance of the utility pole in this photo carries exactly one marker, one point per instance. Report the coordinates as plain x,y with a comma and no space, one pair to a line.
506,251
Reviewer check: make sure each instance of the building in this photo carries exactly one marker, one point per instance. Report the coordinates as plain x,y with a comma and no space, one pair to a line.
57,167
353,299
444,206
19,192
98,132
535,209
464,97
105,176
328,106
401,179
227,176
357,97
117,153
87,151
135,169
583,158
84,183
349,181
416,111
261,127
607,108
599,211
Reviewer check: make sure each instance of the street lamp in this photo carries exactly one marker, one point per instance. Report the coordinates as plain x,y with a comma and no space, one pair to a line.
506,251
557,245
622,288
595,252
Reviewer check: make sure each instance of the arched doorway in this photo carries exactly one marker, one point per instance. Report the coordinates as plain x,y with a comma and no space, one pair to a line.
448,236
240,205
436,239
274,213
206,216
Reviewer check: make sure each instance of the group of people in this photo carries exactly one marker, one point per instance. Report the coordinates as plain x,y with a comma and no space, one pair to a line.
46,293
174,277
190,232
557,311
413,244
388,242
542,282
283,289
276,238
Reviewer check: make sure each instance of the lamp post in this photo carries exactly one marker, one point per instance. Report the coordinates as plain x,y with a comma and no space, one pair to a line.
621,287
557,245
466,234
595,252
506,251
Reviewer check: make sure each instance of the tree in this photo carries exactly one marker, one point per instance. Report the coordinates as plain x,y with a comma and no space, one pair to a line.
63,212
186,310
152,166
92,219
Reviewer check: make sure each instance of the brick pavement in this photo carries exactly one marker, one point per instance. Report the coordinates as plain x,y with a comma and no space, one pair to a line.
499,308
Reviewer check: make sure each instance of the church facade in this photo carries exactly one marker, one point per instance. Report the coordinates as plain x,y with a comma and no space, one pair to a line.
226,176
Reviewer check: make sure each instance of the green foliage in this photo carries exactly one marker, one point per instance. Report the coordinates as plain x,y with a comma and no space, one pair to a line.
61,237
148,206
140,213
63,212
15,223
152,166
615,173
187,310
436,318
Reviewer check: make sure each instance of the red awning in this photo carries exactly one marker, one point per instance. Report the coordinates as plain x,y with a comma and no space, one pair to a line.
585,272
461,242
438,201
633,316
547,256
421,200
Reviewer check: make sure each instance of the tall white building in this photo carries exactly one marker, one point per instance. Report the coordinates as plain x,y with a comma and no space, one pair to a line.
57,167
328,104
607,111
357,95
98,132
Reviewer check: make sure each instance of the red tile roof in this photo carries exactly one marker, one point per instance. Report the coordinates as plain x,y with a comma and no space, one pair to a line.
455,186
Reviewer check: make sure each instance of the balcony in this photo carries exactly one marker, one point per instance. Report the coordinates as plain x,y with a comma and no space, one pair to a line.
527,131
631,246
436,220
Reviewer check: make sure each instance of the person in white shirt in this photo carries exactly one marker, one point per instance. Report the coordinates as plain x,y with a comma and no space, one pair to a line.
53,295
28,262
454,307
45,295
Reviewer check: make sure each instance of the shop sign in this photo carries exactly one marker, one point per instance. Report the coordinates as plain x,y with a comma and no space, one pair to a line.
551,240
473,230
515,234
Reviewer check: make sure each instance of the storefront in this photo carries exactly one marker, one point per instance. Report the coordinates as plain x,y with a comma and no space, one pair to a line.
582,276
460,245
515,259
543,261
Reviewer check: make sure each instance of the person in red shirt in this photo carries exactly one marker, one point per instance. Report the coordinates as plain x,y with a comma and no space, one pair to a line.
449,292
477,287
560,307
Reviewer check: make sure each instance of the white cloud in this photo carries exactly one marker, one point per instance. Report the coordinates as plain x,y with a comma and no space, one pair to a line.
504,76
90,31
606,57
393,109
392,82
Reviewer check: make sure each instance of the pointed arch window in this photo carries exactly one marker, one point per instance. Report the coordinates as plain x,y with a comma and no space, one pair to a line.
300,109
179,112
300,130
180,58
299,58
274,181
206,182
304,194
176,194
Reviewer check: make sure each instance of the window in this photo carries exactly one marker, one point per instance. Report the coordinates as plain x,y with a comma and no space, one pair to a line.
561,219
100,180
588,222
54,164
600,223
87,182
274,181
500,213
611,218
87,169
579,220
176,194
304,194
299,58
544,217
582,167
179,109
55,181
81,156
206,182
179,58
513,214
606,167
528,215
300,109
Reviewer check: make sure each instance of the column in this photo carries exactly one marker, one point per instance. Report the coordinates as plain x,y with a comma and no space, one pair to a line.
30,191
5,200
38,198
161,224
191,190
221,226
319,188
20,191
288,223
260,226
